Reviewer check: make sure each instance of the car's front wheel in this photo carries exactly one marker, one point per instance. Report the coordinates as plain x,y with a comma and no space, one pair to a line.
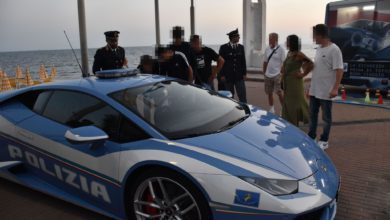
166,195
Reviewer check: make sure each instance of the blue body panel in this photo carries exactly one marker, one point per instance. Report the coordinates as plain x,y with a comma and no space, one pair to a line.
40,171
265,140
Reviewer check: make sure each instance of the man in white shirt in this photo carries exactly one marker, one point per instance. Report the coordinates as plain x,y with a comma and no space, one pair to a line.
327,74
274,57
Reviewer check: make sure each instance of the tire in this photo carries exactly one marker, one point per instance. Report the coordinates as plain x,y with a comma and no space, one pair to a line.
182,199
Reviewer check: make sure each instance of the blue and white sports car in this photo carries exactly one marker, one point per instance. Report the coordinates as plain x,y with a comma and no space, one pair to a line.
152,147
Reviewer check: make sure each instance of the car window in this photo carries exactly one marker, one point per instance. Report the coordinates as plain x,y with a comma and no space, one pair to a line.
34,100
129,132
41,101
180,110
76,109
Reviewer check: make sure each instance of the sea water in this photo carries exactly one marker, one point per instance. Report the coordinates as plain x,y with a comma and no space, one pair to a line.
66,64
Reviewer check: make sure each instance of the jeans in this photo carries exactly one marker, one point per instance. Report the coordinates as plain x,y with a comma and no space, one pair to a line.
240,88
326,106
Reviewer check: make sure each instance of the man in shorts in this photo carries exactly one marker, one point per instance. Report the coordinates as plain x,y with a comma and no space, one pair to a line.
273,61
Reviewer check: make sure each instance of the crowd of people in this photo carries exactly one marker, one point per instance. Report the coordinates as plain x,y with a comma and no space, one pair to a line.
284,75
283,72
190,61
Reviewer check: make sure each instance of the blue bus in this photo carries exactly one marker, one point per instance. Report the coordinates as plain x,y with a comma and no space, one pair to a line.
361,28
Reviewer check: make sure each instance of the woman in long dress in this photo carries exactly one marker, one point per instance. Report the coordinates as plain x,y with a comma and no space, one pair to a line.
296,66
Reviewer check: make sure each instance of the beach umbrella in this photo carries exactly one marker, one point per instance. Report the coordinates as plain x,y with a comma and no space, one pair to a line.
28,79
19,72
18,76
42,73
1,78
53,73
5,83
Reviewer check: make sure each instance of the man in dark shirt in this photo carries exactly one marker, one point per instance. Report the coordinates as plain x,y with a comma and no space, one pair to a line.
234,70
204,57
178,44
174,64
111,56
148,65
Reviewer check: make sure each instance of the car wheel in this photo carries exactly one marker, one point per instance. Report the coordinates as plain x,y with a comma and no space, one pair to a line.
166,195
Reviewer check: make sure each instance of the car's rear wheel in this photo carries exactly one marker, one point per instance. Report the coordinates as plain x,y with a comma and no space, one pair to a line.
166,195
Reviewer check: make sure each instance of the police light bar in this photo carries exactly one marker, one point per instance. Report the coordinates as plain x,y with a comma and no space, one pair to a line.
116,73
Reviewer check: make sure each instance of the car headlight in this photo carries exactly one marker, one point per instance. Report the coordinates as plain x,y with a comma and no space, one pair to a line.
276,187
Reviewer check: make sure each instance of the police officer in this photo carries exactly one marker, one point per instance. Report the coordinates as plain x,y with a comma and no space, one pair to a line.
233,72
111,56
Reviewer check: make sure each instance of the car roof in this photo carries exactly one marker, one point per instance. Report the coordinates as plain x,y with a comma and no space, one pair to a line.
111,85
92,84
106,86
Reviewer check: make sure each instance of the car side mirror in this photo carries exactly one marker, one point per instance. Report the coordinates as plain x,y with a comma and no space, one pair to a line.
225,93
86,135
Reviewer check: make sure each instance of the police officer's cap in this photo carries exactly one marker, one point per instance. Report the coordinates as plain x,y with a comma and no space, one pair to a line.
233,33
111,34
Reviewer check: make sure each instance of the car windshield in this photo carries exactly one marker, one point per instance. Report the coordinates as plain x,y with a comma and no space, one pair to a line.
180,110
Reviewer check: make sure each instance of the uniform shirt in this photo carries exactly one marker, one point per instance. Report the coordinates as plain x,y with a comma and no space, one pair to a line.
203,64
106,58
176,67
275,63
327,61
234,68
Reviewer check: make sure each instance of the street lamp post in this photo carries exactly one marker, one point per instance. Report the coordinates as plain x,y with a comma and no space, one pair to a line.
83,38
192,14
157,21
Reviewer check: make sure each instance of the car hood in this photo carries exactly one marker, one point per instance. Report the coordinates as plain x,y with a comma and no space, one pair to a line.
268,141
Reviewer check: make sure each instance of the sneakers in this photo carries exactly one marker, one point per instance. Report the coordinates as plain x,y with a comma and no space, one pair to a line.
272,110
323,144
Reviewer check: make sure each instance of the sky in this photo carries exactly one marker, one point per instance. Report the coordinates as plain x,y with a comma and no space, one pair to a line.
39,24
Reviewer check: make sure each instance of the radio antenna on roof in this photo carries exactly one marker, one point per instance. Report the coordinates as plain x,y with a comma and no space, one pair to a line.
74,53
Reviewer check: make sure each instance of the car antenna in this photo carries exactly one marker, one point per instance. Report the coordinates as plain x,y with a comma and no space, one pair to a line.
74,53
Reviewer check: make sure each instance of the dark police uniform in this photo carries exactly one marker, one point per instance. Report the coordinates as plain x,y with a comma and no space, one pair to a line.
106,59
109,58
234,68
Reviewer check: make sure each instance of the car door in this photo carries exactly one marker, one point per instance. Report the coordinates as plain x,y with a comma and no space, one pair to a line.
87,172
